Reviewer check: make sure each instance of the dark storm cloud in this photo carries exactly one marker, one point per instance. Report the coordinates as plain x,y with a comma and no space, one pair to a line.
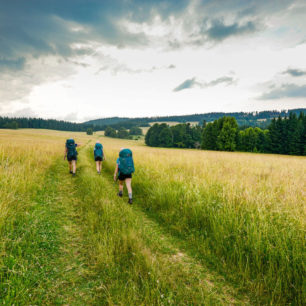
295,72
12,64
35,28
190,83
285,91
220,31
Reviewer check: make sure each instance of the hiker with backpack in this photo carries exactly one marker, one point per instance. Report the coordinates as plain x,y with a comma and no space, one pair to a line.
99,156
71,154
124,169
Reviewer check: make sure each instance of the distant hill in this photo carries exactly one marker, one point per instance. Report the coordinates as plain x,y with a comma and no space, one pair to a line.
260,119
107,121
252,119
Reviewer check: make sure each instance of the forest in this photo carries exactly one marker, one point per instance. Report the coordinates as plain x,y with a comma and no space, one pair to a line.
39,123
244,120
260,119
283,136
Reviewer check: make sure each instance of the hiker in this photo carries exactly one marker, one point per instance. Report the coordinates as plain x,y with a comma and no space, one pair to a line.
71,154
124,169
99,156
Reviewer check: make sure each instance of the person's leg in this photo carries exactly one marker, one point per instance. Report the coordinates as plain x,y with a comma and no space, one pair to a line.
73,166
97,166
120,188
128,183
100,164
70,166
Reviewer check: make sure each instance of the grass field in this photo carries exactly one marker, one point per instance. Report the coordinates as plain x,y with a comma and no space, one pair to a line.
205,227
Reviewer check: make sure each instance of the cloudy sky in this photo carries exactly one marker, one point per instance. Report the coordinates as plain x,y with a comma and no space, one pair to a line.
83,59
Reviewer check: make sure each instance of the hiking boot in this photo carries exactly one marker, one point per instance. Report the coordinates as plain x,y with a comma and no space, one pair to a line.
130,201
73,174
120,194
70,172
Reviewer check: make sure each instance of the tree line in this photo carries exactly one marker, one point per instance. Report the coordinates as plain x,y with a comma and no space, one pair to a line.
283,136
52,124
260,119
122,132
38,123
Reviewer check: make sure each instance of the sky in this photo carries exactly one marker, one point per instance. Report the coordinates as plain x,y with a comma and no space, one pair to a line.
78,60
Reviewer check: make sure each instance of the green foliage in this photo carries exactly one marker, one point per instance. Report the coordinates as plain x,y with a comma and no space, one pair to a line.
135,130
226,140
283,136
178,136
123,133
110,132
89,131
287,135
220,135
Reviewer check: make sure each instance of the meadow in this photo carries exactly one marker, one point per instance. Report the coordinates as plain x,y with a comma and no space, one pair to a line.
205,227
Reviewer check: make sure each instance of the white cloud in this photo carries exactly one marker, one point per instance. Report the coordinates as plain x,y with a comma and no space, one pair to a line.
78,65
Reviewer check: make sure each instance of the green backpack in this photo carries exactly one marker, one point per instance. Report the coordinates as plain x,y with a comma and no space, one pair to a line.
71,150
98,151
126,163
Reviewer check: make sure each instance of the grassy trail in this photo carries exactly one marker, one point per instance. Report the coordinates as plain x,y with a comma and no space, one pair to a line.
79,244
135,259
42,262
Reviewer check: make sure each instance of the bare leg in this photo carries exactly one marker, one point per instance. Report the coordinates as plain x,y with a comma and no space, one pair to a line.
100,163
128,183
73,166
121,186
97,166
70,166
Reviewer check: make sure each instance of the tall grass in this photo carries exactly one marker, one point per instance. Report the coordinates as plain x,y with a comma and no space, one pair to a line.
29,235
137,265
245,213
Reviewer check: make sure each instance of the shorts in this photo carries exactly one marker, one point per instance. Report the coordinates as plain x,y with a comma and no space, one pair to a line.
71,158
122,177
98,158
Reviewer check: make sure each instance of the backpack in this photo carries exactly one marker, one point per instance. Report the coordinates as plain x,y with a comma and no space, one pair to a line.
71,150
126,163
98,151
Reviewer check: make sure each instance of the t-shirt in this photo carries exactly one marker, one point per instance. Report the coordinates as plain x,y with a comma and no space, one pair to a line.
118,161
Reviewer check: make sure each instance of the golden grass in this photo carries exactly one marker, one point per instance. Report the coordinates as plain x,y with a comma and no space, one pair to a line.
24,156
251,207
264,180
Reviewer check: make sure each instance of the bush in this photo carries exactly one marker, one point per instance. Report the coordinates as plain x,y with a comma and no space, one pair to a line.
89,131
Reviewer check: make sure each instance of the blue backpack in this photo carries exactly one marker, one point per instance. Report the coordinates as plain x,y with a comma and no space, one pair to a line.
71,150
126,163
98,151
